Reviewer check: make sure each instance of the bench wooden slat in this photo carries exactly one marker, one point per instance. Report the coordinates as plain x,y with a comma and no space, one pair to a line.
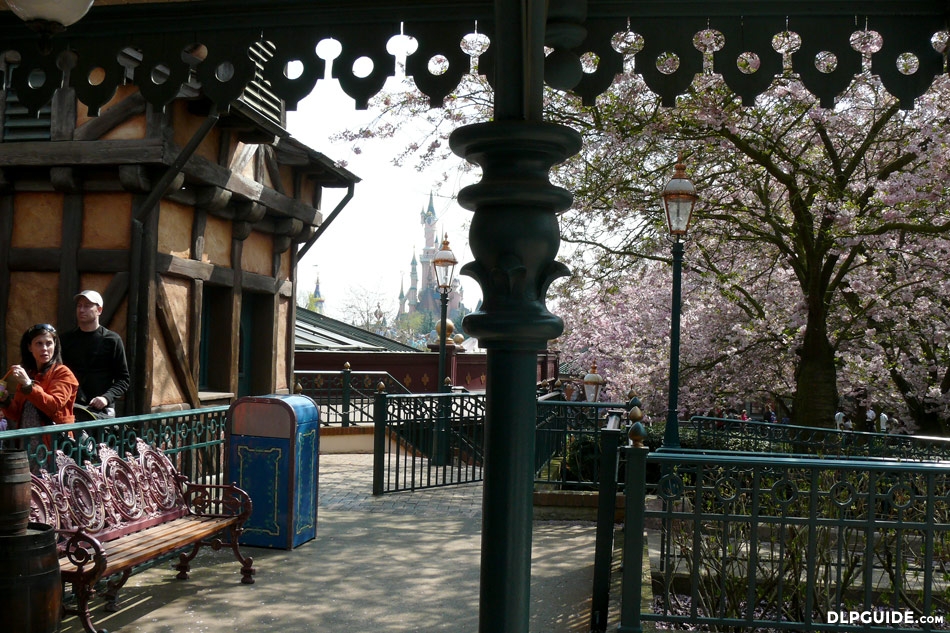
141,547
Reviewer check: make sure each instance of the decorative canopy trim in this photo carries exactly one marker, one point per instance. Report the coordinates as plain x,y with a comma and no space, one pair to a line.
161,47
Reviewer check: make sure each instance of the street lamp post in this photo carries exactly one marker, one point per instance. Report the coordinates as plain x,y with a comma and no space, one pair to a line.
444,263
679,198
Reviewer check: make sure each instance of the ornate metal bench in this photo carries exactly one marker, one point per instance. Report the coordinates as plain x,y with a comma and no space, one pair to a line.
122,513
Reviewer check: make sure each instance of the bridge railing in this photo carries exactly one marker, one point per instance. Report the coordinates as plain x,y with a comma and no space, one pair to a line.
764,437
430,440
769,542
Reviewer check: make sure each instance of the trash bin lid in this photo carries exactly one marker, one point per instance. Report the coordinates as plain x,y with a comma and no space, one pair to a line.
271,416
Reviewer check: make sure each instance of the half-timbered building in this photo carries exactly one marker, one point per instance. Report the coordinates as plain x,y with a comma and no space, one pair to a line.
188,220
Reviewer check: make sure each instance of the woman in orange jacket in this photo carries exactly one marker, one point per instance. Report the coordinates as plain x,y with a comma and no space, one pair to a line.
41,390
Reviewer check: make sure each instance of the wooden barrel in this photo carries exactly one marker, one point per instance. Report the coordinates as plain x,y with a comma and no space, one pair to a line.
14,492
31,592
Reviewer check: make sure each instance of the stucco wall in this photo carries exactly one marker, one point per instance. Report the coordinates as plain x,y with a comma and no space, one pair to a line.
132,128
33,299
107,220
217,242
174,229
257,255
37,220
283,354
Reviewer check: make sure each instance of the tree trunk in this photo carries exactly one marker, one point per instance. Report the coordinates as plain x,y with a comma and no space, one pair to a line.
816,378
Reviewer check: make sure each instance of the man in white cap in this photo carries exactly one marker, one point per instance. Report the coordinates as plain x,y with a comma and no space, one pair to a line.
96,356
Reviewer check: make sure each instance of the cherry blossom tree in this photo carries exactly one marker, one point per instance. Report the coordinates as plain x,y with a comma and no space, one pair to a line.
790,193
816,262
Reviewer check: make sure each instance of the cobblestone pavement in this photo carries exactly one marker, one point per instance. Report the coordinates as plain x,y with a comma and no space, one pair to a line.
399,563
346,483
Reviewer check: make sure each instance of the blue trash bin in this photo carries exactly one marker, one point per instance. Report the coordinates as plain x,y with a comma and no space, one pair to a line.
274,450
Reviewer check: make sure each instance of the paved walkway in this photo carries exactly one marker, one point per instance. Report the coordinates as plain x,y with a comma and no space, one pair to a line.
397,563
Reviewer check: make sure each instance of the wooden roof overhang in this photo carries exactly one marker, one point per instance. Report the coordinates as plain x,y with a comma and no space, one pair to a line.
514,234
161,31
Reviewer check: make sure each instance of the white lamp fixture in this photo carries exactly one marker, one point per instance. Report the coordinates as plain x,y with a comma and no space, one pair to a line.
49,16
679,197
444,263
592,384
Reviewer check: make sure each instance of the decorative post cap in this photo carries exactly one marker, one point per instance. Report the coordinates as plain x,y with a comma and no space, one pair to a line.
637,434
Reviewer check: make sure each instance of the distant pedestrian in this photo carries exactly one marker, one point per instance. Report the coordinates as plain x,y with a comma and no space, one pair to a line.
882,421
871,417
848,428
839,420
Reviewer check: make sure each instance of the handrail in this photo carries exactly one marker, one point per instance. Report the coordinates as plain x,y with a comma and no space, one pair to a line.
341,396
193,438
767,541
769,437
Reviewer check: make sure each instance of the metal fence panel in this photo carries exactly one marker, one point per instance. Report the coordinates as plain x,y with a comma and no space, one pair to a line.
783,543
763,437
428,440
193,439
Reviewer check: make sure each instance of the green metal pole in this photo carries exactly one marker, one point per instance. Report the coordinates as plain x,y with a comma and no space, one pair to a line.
445,309
514,238
671,436
632,575
440,447
379,439
507,506
345,383
604,543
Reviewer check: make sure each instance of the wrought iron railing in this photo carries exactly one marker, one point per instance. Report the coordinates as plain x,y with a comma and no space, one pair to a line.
568,441
763,437
194,440
345,397
427,440
430,440
750,542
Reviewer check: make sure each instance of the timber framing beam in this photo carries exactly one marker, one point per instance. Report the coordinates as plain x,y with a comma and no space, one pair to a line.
135,156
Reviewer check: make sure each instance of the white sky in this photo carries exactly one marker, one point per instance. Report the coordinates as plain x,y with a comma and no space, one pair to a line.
369,246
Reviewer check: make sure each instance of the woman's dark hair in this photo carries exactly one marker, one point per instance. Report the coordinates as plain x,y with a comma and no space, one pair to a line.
27,360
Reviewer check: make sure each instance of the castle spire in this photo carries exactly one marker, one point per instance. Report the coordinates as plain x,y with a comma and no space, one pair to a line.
316,301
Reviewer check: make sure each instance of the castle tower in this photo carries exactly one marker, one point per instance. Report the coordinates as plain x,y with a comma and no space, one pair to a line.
402,299
413,297
429,220
316,301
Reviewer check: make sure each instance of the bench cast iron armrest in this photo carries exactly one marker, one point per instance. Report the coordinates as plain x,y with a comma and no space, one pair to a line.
218,500
85,552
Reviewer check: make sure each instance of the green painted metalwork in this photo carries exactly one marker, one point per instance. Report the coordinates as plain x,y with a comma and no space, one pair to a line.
568,442
408,424
767,542
227,29
194,440
671,439
514,233
603,547
763,437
